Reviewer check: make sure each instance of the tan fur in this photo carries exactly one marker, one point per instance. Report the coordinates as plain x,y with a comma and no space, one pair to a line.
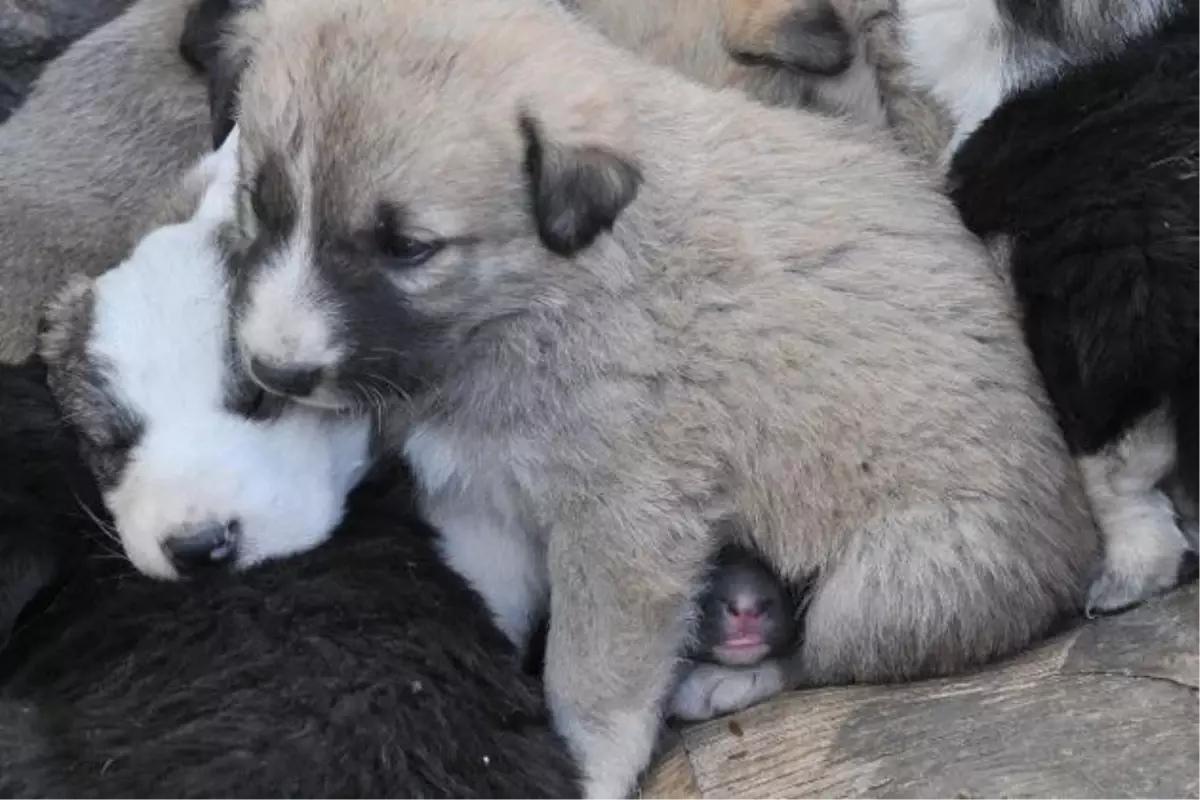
787,334
701,37
112,123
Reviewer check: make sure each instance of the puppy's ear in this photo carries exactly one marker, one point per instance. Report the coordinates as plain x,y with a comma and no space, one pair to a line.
65,319
209,45
578,191
800,35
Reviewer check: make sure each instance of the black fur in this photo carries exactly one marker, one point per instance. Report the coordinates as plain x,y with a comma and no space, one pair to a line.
1094,178
812,40
577,193
200,44
365,668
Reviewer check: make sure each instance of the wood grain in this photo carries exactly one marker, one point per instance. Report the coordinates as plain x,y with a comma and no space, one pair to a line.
1109,709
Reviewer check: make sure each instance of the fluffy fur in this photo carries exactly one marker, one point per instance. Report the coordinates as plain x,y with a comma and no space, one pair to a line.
33,32
114,120
623,317
195,464
839,56
1083,174
969,54
364,668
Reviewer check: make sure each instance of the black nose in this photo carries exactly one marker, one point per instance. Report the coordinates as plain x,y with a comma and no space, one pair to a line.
203,546
293,381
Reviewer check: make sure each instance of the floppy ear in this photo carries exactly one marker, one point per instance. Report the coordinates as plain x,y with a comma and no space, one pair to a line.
799,35
578,191
209,46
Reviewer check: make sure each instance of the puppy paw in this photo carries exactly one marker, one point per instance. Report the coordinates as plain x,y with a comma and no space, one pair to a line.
1144,560
711,690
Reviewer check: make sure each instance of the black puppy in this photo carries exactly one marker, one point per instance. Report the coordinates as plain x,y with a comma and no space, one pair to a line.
1088,183
364,668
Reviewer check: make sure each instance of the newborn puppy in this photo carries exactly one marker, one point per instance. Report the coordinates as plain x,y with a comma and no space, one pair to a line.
364,668
1075,156
621,318
747,616
746,613
198,466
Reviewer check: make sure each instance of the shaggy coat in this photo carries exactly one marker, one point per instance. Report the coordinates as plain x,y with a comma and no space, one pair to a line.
623,318
364,668
843,57
1085,184
111,125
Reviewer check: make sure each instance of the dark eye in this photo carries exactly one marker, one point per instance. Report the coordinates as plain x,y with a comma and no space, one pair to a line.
256,404
405,251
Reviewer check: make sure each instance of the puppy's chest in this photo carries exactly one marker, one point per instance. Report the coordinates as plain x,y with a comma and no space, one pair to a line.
490,475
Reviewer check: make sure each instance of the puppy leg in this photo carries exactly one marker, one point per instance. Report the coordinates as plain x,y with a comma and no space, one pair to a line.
1146,551
620,603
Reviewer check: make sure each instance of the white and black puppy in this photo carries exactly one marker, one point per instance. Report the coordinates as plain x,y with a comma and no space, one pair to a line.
197,465
1075,155
363,668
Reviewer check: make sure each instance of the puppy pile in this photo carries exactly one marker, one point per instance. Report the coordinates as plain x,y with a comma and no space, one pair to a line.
732,398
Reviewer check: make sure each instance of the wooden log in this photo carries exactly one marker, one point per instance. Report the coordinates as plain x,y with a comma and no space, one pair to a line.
1109,709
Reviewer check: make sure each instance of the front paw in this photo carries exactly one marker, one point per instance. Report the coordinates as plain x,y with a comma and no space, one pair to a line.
711,690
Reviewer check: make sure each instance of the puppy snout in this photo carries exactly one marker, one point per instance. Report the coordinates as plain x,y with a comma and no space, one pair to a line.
212,544
292,381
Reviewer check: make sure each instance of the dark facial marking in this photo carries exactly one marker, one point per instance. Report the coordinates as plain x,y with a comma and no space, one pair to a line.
108,429
273,200
811,40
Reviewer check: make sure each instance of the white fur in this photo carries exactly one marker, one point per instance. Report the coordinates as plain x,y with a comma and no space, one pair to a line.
1143,542
708,690
160,325
961,52
489,545
287,323
957,53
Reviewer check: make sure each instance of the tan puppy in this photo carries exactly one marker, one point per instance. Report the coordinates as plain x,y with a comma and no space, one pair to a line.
114,120
623,319
841,56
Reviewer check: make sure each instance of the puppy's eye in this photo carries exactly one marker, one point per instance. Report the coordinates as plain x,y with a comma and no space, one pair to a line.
402,250
406,252
254,403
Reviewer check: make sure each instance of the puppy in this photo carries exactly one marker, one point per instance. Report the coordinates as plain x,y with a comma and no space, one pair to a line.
623,319
197,466
1075,156
364,668
838,56
111,125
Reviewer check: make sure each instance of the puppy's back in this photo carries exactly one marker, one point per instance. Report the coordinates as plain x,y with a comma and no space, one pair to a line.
111,122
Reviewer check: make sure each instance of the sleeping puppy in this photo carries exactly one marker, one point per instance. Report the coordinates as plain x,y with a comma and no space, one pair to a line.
364,668
198,466
843,57
1075,155
109,129
622,319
